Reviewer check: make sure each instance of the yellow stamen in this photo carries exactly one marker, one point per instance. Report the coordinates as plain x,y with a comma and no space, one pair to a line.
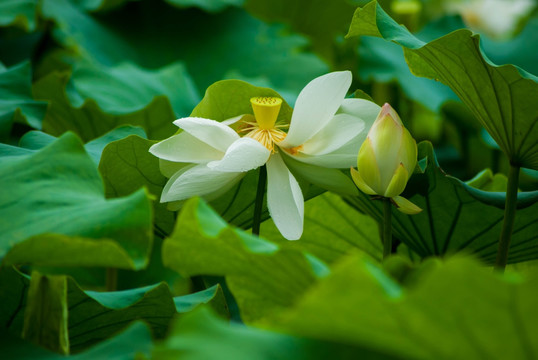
267,137
266,111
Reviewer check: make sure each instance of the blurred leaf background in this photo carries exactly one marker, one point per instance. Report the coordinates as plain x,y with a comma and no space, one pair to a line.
87,86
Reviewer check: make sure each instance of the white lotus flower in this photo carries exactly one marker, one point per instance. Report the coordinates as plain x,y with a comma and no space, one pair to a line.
325,130
219,157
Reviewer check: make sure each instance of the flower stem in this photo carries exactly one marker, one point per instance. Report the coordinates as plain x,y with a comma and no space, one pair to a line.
509,217
387,228
258,204
111,279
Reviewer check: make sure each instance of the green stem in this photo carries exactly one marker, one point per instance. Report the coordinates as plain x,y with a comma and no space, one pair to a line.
509,217
258,205
111,279
387,228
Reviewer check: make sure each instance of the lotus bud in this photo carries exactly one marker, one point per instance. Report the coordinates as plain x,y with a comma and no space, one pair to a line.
387,159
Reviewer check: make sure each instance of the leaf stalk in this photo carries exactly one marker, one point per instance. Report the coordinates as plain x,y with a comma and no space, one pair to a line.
509,218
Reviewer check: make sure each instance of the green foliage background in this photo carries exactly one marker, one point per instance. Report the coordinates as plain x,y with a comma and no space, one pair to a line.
87,86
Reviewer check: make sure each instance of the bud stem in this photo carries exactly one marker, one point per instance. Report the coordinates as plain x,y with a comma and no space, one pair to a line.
387,227
509,218
258,204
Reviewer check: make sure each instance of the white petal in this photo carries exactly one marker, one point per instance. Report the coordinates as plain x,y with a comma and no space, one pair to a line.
211,132
332,160
342,158
231,121
338,132
316,105
364,109
177,205
330,179
243,155
198,180
185,148
284,199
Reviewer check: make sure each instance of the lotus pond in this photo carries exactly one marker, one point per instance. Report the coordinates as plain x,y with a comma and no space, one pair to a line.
268,179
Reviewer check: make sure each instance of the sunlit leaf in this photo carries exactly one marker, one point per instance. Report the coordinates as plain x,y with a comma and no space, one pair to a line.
455,302
200,335
262,276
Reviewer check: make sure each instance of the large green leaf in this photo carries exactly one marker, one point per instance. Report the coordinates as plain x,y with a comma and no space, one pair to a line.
500,97
35,140
453,310
201,335
126,166
89,121
89,317
332,229
456,217
95,316
127,88
53,210
262,276
16,101
229,98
